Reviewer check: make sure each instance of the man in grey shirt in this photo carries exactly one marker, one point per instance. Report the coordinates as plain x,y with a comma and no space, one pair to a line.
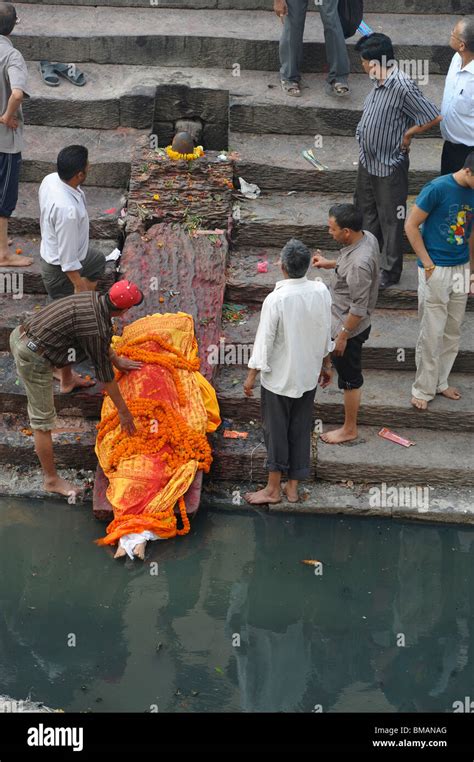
354,292
13,89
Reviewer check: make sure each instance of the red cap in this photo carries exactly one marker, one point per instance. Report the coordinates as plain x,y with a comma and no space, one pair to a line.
125,294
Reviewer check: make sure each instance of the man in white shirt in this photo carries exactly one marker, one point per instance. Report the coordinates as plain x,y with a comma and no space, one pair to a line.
457,127
291,351
68,264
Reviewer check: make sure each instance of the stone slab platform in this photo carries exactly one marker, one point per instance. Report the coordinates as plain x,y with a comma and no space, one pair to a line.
370,6
153,35
385,402
392,331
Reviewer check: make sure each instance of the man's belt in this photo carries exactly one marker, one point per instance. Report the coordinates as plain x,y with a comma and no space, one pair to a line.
30,343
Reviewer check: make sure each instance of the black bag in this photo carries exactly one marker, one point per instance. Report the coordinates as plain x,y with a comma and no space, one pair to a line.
351,13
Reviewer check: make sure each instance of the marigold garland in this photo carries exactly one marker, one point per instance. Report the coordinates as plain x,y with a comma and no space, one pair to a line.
176,156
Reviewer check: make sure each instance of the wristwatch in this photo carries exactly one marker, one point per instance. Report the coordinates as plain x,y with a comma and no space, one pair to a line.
346,330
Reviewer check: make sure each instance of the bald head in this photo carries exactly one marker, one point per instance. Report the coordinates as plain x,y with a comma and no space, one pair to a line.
7,18
183,143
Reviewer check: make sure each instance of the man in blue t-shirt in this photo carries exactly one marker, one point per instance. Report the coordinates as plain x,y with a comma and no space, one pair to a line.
445,250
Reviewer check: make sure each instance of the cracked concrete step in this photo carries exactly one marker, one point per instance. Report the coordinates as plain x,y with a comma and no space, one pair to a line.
370,6
385,401
276,217
74,441
118,95
153,35
453,505
27,280
274,162
391,344
245,284
434,460
110,153
100,203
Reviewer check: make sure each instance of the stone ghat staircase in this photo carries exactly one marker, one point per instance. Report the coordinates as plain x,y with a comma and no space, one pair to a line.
127,48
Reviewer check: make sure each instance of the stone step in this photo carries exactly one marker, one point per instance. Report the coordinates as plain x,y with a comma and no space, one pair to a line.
385,402
27,280
110,153
125,96
245,284
451,505
370,6
369,459
274,162
277,216
74,441
13,311
180,37
391,345
100,203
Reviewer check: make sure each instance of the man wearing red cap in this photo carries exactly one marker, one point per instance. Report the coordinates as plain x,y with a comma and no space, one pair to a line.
67,331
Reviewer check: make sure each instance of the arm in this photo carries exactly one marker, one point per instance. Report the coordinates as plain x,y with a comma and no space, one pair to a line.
67,234
418,130
262,348
9,118
412,228
471,249
123,363
125,416
320,261
421,111
326,373
281,9
350,324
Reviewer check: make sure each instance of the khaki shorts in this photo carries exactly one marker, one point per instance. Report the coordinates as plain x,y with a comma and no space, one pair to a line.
37,375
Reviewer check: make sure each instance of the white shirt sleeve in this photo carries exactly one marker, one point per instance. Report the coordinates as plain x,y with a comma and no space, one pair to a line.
66,226
265,338
330,344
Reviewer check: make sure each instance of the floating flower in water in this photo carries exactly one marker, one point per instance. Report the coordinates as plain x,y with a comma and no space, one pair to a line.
156,197
176,156
19,251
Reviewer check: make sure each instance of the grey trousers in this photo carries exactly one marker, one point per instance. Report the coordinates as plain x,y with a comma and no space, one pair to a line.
287,425
291,41
382,201
58,285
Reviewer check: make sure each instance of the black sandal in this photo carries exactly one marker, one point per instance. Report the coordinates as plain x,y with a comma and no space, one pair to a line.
71,73
48,74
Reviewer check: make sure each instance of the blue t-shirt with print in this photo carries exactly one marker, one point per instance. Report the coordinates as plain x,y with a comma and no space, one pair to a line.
447,229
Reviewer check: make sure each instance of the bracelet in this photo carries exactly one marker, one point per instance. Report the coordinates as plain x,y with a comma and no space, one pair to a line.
343,328
429,269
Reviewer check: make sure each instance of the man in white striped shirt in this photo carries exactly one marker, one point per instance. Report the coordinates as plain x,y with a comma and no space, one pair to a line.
394,112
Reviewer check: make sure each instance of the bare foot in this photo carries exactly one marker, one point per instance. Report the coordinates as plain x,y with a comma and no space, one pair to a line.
139,550
420,404
337,436
62,487
120,552
77,382
14,260
262,497
290,492
451,393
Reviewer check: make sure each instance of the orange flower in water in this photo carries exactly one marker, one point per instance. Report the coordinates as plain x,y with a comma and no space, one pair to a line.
19,251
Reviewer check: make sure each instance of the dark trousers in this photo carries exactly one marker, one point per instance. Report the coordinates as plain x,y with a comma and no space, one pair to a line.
287,426
58,285
453,157
382,201
10,165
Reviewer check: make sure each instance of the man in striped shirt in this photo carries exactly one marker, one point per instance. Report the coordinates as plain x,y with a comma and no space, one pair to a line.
67,331
394,112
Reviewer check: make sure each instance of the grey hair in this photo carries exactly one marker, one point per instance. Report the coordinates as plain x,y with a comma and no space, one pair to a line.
467,32
295,258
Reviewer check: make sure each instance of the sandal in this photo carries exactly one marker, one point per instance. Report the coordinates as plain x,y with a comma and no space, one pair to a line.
71,73
337,88
291,88
48,74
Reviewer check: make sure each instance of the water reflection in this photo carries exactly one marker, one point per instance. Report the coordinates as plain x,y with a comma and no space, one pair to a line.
233,621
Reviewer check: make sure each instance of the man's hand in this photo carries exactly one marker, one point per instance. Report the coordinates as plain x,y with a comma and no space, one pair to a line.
84,285
428,274
341,344
126,422
406,142
281,9
249,383
320,261
9,121
325,377
125,364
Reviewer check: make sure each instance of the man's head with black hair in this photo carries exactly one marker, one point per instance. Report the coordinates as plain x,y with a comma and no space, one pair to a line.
376,53
8,18
295,258
73,164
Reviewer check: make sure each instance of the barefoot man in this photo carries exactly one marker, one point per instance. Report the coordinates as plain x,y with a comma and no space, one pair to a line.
77,326
291,351
68,263
354,295
445,208
13,89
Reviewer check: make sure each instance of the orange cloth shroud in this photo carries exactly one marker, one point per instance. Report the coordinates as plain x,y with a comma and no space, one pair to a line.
173,407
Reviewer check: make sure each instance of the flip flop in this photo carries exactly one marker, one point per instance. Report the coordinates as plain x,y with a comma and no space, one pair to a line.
71,73
48,74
